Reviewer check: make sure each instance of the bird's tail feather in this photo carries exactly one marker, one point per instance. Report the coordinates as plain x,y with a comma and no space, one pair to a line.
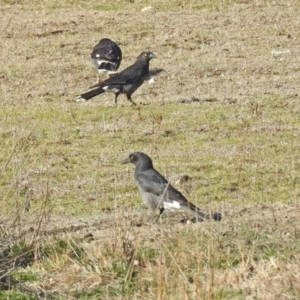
107,66
90,94
201,216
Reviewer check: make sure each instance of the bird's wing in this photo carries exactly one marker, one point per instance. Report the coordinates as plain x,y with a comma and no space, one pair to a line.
131,75
107,50
153,182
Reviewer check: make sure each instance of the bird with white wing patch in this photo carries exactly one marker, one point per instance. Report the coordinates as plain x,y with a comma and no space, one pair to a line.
157,193
106,57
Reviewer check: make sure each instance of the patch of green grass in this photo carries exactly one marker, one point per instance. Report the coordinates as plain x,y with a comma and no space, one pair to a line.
228,294
14,295
26,276
110,291
148,254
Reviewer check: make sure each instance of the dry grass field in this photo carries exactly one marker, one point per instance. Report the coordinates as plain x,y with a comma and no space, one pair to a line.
221,122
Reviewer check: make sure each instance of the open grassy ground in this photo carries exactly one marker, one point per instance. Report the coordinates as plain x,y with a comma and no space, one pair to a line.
222,123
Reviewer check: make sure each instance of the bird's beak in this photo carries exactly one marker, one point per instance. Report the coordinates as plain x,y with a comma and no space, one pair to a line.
126,161
152,55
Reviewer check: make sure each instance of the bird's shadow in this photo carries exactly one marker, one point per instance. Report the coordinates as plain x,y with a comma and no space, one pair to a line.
155,72
197,100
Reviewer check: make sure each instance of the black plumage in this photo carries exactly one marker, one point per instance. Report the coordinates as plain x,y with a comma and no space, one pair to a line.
157,193
126,82
106,56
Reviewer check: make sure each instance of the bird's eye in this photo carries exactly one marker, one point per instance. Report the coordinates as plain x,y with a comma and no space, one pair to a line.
146,54
131,157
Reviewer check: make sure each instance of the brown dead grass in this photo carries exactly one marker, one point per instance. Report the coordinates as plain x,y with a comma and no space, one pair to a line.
111,237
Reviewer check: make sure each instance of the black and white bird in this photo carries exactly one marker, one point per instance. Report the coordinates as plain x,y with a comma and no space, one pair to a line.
157,193
106,57
126,82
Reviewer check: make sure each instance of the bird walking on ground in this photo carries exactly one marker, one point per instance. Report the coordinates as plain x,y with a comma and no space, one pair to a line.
106,57
157,193
126,82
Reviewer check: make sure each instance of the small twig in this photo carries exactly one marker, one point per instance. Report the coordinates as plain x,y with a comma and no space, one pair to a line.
174,260
42,215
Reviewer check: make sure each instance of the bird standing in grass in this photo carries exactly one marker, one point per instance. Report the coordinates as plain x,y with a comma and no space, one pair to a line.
157,193
107,57
126,82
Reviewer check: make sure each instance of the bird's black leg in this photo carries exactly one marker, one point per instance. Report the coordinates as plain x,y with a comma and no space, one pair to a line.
161,210
129,98
116,99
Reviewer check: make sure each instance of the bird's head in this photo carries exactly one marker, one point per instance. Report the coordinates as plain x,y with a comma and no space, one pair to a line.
147,55
139,159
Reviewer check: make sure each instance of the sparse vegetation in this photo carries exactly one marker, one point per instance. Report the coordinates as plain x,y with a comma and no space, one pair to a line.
222,123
